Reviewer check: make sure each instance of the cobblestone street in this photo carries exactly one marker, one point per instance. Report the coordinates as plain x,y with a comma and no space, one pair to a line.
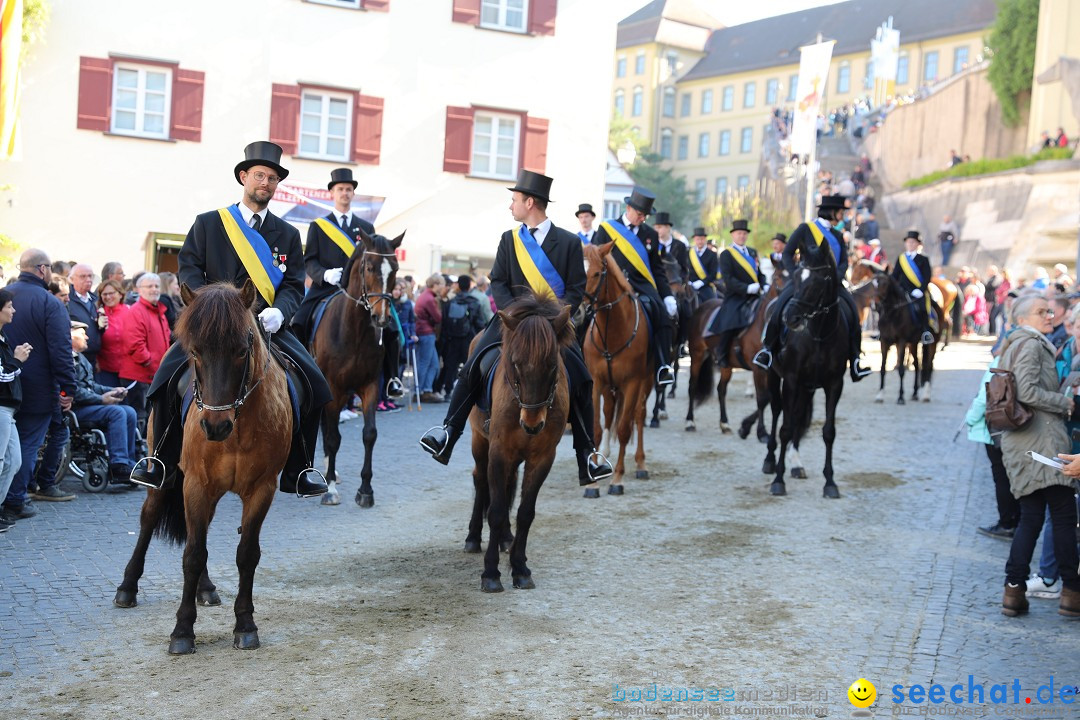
695,578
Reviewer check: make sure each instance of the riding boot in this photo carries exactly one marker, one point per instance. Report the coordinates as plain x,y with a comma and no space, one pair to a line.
439,441
851,315
391,352
159,469
299,475
769,338
665,374
723,348
592,466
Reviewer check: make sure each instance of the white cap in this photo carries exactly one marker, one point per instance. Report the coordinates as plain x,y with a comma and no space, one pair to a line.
1060,267
875,241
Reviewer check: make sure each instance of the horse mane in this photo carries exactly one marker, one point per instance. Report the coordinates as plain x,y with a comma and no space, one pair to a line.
592,254
532,313
217,312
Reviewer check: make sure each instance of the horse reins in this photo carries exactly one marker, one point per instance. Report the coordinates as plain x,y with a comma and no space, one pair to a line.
364,300
607,354
515,389
245,391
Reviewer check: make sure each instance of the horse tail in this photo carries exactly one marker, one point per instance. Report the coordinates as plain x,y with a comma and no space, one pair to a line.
703,386
802,423
172,522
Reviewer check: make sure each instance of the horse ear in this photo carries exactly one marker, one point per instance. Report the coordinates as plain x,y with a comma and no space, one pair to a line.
606,249
247,293
509,321
562,327
366,239
186,293
396,242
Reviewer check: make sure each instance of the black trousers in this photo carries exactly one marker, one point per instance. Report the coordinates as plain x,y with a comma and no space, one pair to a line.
1062,504
1008,506
456,353
662,332
165,402
848,312
467,390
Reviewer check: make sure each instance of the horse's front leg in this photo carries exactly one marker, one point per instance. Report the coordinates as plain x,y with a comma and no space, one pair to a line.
331,438
721,395
531,481
482,496
880,398
248,553
128,590
916,376
500,475
365,497
199,514
638,417
901,366
828,433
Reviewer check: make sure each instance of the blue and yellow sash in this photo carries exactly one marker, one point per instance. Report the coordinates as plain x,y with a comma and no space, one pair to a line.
336,234
253,252
819,236
630,247
911,270
695,263
738,257
584,238
534,262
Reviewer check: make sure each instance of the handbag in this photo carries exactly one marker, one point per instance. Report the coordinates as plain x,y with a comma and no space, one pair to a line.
1003,410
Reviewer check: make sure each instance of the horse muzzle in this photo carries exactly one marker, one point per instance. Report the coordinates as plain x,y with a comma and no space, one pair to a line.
216,431
532,429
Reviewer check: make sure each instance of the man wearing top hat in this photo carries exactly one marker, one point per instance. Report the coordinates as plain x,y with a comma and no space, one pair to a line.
585,217
829,223
640,262
674,255
703,266
330,243
912,272
776,257
743,284
562,249
208,256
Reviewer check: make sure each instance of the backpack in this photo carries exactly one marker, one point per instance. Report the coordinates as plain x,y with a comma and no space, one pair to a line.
1003,410
456,323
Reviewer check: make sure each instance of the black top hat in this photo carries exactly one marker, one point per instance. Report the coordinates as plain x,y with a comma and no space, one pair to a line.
662,218
584,208
781,237
739,225
341,175
832,202
264,153
914,234
641,200
699,231
534,184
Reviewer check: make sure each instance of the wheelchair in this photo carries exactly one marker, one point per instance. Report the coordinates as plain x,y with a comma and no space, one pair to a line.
86,455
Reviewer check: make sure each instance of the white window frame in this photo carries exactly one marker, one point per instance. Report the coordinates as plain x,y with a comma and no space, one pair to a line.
843,77
746,144
772,88
926,78
793,87
721,186
348,4
707,101
639,63
497,119
140,101
326,96
958,67
750,94
501,11
701,187
637,101
620,66
703,144
667,142
727,98
619,104
905,60
724,148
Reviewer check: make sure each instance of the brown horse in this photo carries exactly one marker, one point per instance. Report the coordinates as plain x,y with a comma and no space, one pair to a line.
348,347
530,401
686,299
619,359
224,450
949,293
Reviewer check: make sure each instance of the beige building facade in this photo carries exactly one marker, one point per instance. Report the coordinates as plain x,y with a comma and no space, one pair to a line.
1051,105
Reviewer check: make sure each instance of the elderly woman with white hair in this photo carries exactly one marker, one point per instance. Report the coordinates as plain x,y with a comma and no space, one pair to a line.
1038,487
146,340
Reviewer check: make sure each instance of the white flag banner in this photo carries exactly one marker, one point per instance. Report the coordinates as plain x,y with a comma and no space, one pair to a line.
885,59
813,74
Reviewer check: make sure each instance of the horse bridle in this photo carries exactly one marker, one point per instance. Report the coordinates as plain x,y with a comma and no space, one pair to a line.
364,300
818,310
245,391
593,298
515,389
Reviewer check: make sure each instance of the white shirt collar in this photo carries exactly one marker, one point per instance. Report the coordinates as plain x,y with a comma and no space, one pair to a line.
541,231
83,298
626,221
246,213
339,215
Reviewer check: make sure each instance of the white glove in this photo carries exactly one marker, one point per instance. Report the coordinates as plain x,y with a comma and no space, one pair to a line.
917,294
753,289
669,303
271,319
697,284
332,276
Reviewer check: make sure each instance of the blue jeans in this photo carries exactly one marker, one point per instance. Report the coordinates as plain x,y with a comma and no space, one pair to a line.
427,361
56,441
10,452
32,430
119,423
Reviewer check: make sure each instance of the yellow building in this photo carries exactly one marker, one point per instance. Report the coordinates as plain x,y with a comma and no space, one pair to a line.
1058,36
709,120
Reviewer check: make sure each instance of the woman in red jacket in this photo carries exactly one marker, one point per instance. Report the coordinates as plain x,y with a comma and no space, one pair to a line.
146,339
113,350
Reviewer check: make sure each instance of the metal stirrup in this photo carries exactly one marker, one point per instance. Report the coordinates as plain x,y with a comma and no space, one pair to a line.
301,475
150,460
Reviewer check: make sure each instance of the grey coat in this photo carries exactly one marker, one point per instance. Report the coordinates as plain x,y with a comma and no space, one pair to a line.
1032,363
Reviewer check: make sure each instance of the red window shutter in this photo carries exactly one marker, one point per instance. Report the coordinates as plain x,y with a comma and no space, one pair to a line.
457,154
542,16
285,117
467,11
367,129
534,144
95,93
377,5
187,105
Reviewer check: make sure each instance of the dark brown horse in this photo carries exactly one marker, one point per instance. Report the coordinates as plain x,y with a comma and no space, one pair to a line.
224,450
899,328
686,298
530,400
947,301
348,347
619,358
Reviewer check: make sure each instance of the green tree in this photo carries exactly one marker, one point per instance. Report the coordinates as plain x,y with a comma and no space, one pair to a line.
672,194
1012,44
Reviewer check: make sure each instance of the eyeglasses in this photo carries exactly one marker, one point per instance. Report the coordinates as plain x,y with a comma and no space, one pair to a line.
261,177
1045,311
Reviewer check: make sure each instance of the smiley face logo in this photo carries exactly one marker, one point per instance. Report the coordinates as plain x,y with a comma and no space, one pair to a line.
862,693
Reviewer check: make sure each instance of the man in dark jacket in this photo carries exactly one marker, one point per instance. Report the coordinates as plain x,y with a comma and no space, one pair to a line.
208,256
83,307
102,406
703,266
912,273
743,284
48,377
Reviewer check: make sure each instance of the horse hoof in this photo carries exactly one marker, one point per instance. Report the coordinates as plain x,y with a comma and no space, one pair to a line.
690,426
181,646
900,401
491,585
777,488
879,401
642,474
333,498
768,467
365,500
798,473
524,582
671,393
926,399
472,546
208,598
832,492
654,423
763,439
744,433
245,640
615,490
592,493
124,599
725,429
662,415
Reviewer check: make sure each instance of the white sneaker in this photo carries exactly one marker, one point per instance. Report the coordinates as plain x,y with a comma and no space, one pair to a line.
1037,588
346,415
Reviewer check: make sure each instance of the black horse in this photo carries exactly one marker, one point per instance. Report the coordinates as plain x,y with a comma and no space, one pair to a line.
686,299
813,355
899,327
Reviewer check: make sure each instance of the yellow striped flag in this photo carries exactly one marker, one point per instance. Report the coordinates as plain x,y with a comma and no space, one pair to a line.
10,47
